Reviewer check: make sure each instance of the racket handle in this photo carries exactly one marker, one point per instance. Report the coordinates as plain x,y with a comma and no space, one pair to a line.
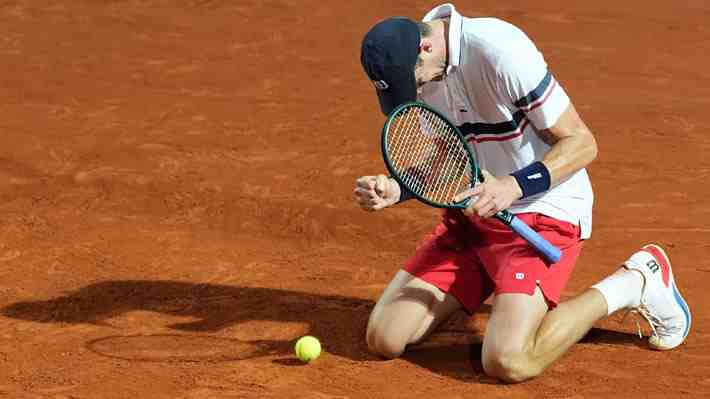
549,251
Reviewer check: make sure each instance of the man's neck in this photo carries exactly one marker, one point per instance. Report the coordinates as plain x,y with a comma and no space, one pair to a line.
440,28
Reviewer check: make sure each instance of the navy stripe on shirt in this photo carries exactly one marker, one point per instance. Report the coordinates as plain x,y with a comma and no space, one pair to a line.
493,128
536,93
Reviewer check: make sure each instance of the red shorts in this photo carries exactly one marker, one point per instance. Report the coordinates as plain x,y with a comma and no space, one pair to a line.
470,258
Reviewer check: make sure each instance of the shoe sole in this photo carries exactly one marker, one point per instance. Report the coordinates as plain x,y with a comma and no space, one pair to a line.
676,294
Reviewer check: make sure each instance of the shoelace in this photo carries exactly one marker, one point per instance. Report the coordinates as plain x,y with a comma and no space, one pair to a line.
652,320
638,325
657,326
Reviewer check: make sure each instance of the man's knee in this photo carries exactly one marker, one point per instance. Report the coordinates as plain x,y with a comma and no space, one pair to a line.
510,366
384,342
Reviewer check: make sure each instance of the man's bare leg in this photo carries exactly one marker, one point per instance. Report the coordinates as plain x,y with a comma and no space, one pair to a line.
407,312
522,338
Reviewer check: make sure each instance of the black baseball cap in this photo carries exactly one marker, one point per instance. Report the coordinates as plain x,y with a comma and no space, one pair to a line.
389,54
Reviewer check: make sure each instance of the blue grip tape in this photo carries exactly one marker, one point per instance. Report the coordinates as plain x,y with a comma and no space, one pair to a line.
549,251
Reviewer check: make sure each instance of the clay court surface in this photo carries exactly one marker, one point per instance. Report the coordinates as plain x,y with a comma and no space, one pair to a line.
175,198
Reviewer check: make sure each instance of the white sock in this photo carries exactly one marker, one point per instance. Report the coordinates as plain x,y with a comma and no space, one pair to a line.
621,290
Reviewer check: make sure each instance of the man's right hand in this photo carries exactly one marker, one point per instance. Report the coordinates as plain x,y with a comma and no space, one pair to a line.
373,193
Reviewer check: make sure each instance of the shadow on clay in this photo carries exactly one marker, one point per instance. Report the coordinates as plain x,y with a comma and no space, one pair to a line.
339,321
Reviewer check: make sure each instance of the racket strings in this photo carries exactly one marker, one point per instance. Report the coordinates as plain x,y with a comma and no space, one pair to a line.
428,155
449,168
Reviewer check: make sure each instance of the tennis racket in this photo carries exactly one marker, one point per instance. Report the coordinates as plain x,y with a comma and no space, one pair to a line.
429,156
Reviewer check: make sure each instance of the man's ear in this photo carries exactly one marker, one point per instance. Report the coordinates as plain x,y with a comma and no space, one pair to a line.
426,46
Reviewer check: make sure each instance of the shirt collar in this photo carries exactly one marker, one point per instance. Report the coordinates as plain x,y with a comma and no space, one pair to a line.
455,21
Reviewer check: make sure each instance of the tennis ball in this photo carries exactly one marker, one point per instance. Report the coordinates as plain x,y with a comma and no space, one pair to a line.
307,348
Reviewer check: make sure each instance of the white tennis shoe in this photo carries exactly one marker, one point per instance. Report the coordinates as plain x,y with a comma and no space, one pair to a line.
661,303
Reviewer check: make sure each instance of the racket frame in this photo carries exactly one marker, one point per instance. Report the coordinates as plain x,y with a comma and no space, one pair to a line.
475,171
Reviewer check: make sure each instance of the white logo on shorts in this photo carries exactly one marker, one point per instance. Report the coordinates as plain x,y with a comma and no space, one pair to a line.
519,276
380,84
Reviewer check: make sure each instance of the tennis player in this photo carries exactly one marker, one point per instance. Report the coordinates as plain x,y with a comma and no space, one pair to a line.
488,78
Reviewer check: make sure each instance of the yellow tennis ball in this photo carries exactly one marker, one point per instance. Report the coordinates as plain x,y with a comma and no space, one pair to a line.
307,348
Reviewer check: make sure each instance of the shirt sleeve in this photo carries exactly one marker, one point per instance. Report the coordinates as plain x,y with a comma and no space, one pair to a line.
527,85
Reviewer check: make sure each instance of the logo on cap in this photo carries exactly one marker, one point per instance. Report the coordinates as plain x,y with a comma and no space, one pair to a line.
380,84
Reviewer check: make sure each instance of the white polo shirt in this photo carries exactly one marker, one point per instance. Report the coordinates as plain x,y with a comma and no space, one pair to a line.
498,91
